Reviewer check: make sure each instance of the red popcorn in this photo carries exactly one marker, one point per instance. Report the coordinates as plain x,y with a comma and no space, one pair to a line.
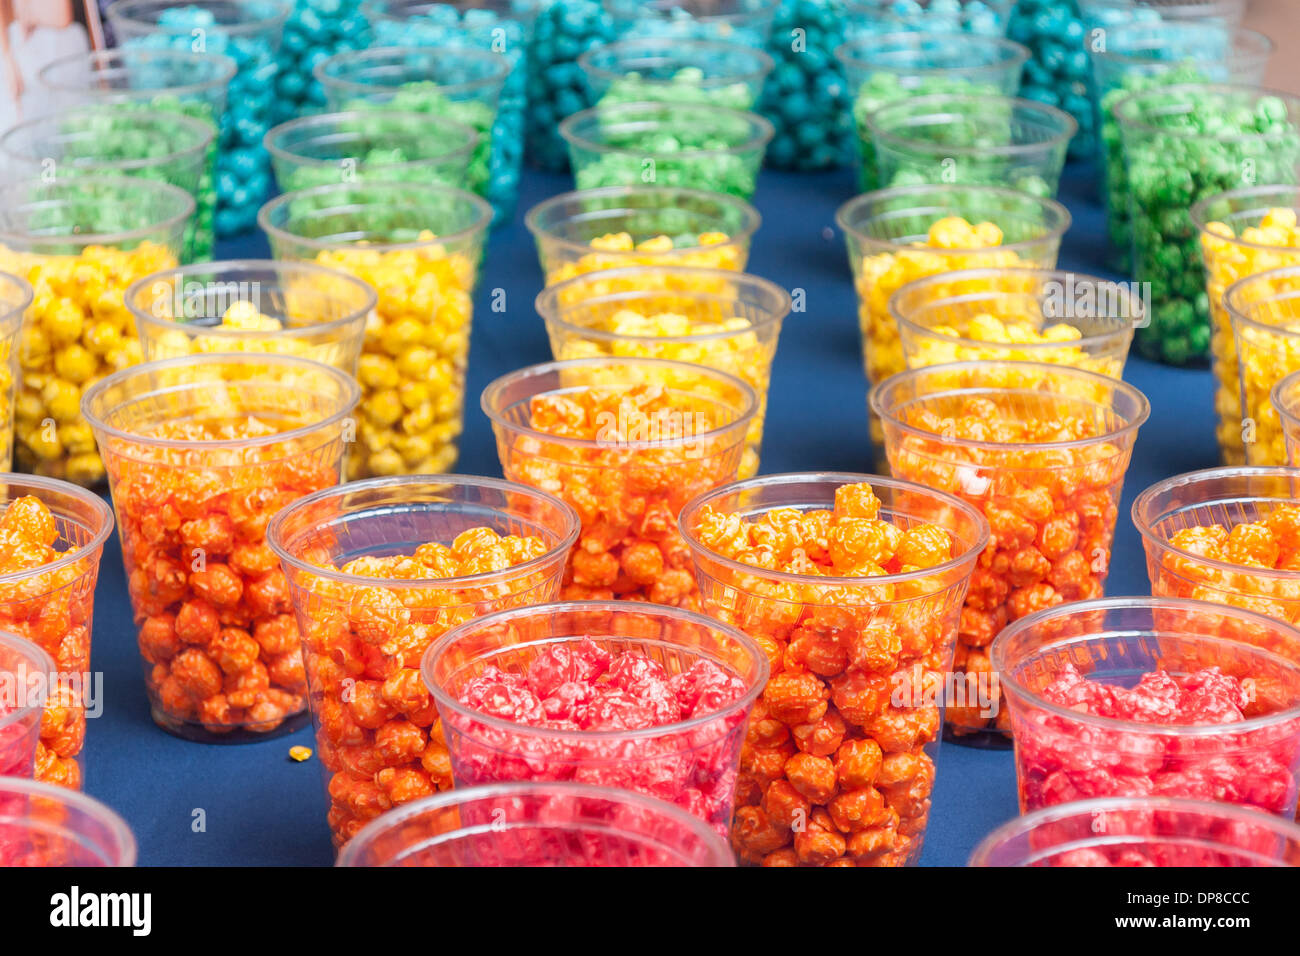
613,694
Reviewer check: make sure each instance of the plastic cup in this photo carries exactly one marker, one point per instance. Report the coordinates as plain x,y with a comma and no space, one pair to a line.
538,824
252,305
964,138
691,762
737,21
1286,402
673,70
376,729
1022,315
420,246
883,230
1235,244
630,479
620,226
670,144
1141,831
1144,12
15,300
1139,58
1052,503
370,146
1065,753
52,605
109,232
24,667
919,609
882,68
729,321
169,80
459,83
979,17
42,825
1220,497
217,444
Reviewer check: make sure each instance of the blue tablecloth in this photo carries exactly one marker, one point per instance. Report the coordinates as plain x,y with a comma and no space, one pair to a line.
196,804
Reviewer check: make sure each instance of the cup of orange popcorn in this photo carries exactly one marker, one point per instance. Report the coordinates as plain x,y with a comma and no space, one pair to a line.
852,585
419,246
617,226
15,300
1243,232
1041,450
288,308
54,534
627,442
725,320
896,236
380,569
79,243
201,452
1019,315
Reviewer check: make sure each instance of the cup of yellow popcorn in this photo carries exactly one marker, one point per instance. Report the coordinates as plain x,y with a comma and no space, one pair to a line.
1017,315
1265,313
15,299
419,245
1243,232
289,308
895,236
725,320
618,226
79,243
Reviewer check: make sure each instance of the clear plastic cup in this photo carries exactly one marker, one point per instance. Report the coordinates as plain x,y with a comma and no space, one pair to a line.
1174,156
1264,310
1145,12
537,824
457,83
108,232
1286,403
15,300
179,81
965,138
972,429
1241,236
41,825
52,605
729,321
1224,498
864,734
376,726
1141,831
895,236
253,305
978,17
1022,315
201,452
370,145
737,21
673,70
1066,753
882,68
673,144
628,476
690,762
619,226
25,667
1138,58
420,246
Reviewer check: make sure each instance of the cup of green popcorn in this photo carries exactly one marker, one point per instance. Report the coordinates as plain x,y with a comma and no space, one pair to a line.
668,70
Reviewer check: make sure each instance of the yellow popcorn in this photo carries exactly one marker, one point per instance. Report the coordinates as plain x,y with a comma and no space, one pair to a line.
714,250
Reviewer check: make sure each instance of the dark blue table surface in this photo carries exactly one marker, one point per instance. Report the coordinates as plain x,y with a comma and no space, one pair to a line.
196,804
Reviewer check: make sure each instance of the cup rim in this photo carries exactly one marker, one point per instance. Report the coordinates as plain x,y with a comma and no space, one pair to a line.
548,306
475,229
1255,93
500,70
350,390
680,615
170,224
25,296
126,848
1240,41
203,133
97,505
1287,412
765,63
661,11
998,651
740,424
1045,369
383,11
1201,218
226,65
692,507
280,152
761,133
447,799
144,318
38,656
853,53
1145,521
125,14
1069,125
275,531
1236,309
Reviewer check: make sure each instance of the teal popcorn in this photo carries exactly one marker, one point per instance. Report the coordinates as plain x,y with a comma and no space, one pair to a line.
314,30
565,29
